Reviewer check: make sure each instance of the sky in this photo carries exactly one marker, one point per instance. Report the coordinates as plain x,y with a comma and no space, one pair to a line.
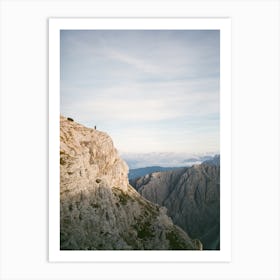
150,90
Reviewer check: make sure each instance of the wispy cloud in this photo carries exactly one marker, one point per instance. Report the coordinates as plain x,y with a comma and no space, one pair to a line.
164,159
147,101
149,80
138,63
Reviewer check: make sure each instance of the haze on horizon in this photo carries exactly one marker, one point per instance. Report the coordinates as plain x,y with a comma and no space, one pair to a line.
151,91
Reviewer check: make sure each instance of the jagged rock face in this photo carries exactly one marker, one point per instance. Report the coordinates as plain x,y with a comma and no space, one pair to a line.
192,197
87,155
99,210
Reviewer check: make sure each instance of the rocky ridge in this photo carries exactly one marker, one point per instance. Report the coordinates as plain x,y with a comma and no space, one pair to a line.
192,197
99,210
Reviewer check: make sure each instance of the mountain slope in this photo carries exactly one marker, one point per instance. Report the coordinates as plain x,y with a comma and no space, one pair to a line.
99,210
192,197
140,172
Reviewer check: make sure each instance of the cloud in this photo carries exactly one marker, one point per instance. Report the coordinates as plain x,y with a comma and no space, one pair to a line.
139,160
147,101
155,90
140,54
138,63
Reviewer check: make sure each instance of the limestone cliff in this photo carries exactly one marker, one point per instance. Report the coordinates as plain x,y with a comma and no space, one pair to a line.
99,210
192,197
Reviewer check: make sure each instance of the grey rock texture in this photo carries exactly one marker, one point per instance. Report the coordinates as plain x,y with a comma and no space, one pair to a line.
192,197
99,210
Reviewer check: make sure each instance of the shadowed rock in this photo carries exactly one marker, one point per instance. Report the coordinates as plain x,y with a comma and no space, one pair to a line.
192,197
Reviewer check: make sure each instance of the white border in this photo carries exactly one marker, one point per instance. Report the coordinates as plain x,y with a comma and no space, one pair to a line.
224,25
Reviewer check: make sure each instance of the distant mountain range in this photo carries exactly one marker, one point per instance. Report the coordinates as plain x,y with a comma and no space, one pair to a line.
139,172
142,171
143,160
191,196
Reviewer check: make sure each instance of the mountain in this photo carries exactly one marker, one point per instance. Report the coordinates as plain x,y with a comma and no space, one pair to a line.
167,159
99,210
139,172
213,161
192,197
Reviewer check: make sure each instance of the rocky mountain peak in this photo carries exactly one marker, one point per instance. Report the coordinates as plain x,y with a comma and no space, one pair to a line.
99,210
88,158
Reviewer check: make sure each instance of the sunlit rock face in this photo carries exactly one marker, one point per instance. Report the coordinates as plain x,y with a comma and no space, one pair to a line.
99,210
